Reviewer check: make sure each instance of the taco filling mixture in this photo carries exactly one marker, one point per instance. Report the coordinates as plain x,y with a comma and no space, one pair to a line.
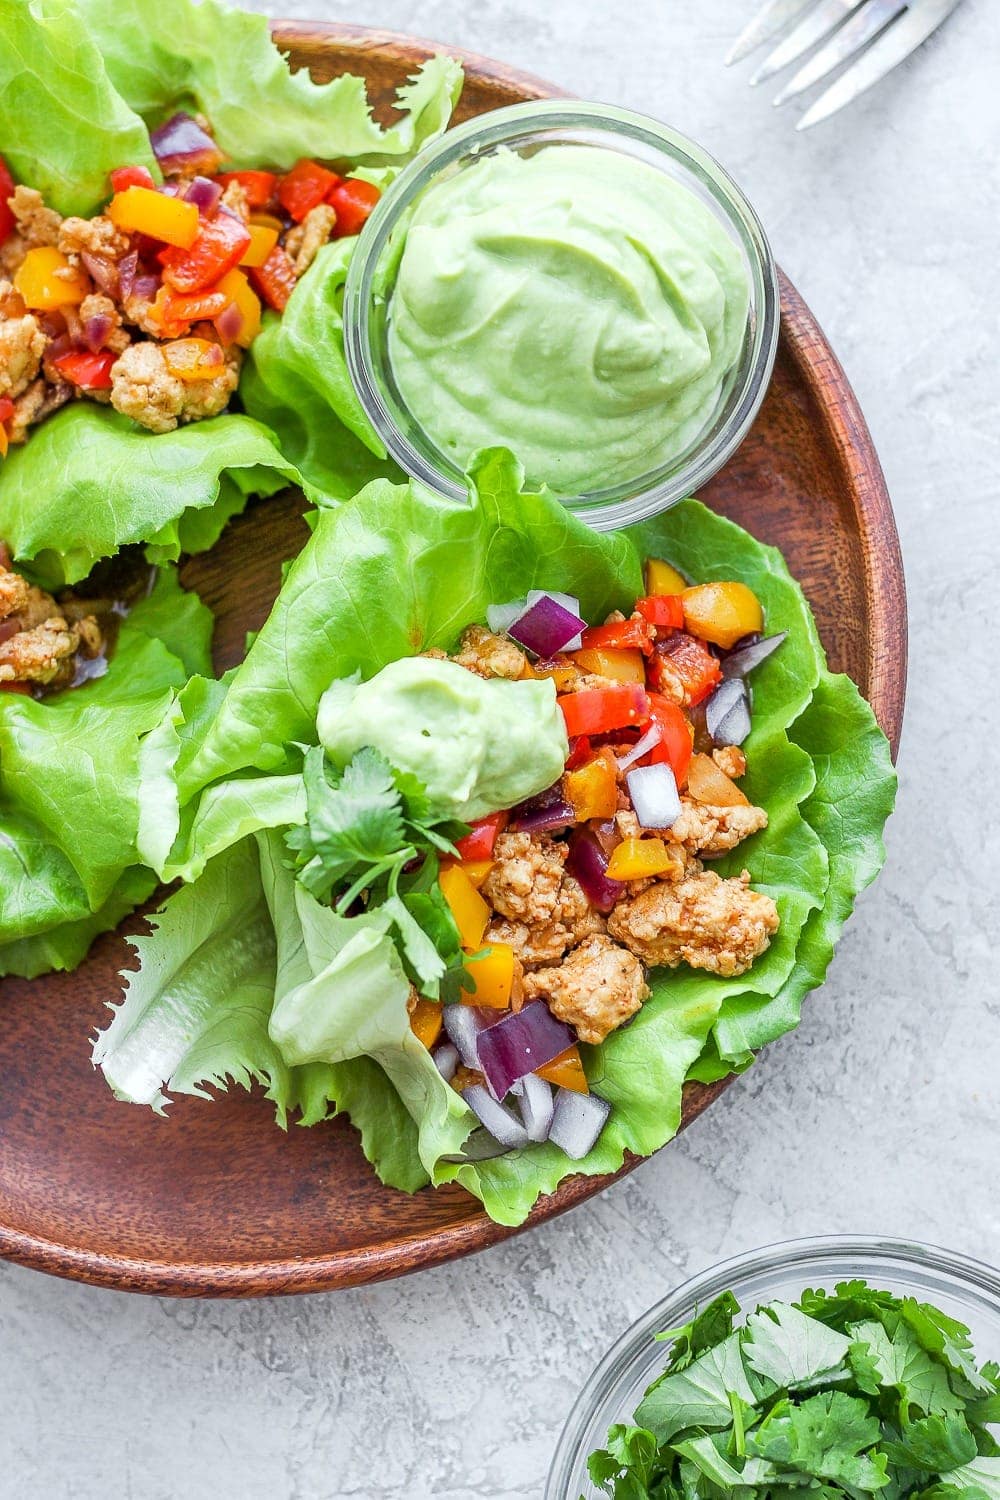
149,304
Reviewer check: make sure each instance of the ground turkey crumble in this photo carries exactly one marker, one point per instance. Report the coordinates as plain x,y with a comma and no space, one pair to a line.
589,968
40,640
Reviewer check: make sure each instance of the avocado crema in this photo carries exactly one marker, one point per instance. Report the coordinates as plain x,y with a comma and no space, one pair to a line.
577,305
477,744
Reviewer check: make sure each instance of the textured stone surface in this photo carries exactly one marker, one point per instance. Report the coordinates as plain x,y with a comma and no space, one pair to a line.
882,1113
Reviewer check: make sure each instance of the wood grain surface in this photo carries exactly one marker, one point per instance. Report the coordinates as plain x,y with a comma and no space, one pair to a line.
215,1200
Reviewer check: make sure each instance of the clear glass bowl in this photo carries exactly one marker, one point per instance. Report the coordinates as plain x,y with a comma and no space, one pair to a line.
524,128
965,1289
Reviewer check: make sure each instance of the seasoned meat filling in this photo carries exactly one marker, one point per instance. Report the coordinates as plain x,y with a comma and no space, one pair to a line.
710,923
595,989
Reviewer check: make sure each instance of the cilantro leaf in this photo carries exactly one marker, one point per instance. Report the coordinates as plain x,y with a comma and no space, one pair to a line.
710,1326
825,1436
901,1363
934,1444
792,1350
698,1396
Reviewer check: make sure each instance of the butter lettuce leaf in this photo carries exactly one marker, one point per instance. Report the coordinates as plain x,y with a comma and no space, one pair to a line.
69,786
90,481
63,124
209,57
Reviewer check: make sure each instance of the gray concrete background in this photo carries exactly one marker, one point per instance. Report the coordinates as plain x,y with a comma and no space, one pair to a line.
881,1113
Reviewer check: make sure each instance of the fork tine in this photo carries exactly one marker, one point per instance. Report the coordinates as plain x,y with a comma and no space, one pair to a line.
772,18
904,36
851,38
812,29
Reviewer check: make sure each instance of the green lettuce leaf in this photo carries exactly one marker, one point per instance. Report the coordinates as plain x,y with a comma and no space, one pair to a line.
63,125
222,62
90,481
295,380
69,783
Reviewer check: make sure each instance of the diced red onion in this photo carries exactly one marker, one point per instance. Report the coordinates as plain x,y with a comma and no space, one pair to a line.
546,627
102,272
463,1024
96,330
172,189
63,343
642,747
745,658
145,287
588,864
542,814
204,193
128,268
537,1106
9,627
569,602
446,1060
229,323
727,712
180,142
518,1043
577,1121
608,834
500,616
653,793
501,1123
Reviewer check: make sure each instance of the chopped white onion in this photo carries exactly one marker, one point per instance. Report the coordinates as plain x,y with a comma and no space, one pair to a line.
568,601
653,792
748,658
500,617
446,1060
727,712
641,747
577,1122
463,1026
501,1123
537,1107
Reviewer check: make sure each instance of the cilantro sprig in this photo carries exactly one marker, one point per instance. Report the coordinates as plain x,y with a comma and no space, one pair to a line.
846,1395
371,839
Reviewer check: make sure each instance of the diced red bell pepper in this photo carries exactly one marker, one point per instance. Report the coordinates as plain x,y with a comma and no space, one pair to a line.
684,657
217,249
174,313
257,186
7,219
599,710
126,177
579,752
479,843
665,611
620,635
305,187
91,372
352,200
6,411
674,748
275,279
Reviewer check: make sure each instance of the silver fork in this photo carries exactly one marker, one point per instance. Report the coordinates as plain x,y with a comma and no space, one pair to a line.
878,34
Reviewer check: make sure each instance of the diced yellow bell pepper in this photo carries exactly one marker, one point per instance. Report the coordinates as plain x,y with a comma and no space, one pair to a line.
477,870
619,666
472,915
722,612
592,789
493,971
238,289
566,1071
142,210
194,359
639,859
562,673
262,241
710,785
426,1021
41,288
662,578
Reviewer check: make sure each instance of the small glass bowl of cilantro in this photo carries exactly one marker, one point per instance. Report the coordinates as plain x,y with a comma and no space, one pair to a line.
836,1369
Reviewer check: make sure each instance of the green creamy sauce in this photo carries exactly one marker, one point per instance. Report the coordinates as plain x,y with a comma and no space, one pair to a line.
476,744
577,305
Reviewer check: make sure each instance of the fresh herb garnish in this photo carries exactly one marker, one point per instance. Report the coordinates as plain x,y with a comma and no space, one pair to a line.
853,1394
371,837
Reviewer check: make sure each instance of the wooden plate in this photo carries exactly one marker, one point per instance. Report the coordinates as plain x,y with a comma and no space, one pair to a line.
216,1200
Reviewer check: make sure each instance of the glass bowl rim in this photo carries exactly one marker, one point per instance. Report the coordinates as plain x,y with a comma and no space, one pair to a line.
607,508
973,1275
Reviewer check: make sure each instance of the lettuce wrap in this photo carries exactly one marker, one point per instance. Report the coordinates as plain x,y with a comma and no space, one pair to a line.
69,786
393,573
83,81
